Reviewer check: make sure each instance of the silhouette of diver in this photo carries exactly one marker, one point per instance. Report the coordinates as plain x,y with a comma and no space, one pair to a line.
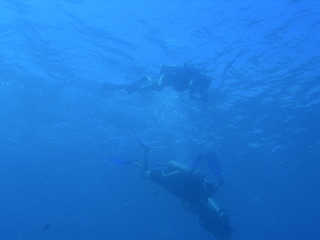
180,78
192,189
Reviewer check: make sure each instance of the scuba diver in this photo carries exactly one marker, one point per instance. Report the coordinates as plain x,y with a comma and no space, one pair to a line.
180,78
190,186
185,78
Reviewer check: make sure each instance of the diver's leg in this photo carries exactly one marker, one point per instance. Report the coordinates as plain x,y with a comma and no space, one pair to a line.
215,167
213,205
114,87
145,172
197,162
139,85
143,164
134,86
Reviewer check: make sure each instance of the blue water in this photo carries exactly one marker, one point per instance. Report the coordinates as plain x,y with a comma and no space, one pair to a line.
59,128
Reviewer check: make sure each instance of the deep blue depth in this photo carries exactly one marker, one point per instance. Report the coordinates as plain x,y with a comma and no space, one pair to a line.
60,130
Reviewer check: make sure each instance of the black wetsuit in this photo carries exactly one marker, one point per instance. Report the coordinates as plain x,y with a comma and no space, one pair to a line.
216,222
194,192
190,188
183,78
180,78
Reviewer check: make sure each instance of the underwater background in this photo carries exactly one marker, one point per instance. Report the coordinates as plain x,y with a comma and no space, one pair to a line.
60,129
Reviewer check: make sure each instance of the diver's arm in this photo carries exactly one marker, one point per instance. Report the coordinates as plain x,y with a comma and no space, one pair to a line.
193,94
198,87
175,168
179,166
161,82
213,205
